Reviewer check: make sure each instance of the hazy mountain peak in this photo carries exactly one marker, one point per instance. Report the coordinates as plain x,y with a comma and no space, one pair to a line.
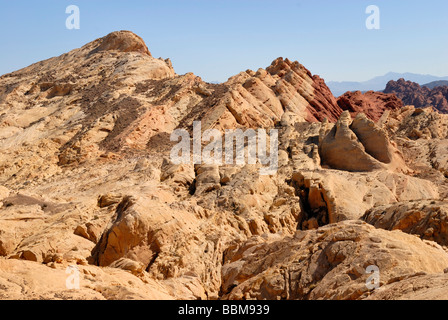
380,82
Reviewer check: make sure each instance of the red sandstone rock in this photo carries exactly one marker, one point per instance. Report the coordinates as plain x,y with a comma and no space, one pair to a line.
372,104
421,97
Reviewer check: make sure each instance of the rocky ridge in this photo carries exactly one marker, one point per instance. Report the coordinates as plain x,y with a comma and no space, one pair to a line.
412,93
372,104
86,181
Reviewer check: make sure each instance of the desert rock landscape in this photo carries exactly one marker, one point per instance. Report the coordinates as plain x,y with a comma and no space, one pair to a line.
86,182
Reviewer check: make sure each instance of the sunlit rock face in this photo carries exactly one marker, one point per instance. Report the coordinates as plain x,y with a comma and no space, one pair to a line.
87,180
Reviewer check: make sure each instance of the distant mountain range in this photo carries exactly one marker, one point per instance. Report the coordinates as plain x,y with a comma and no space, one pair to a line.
435,84
379,83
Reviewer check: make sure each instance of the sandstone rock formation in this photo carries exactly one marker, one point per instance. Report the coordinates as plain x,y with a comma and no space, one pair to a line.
412,93
427,219
418,287
421,134
28,280
87,183
372,104
358,145
328,263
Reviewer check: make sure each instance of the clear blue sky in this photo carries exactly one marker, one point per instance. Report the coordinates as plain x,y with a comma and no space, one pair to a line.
216,39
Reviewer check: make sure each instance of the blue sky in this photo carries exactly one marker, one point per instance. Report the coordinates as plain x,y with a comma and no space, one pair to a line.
216,39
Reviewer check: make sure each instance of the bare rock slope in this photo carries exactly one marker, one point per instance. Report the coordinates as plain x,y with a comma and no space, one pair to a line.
87,184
